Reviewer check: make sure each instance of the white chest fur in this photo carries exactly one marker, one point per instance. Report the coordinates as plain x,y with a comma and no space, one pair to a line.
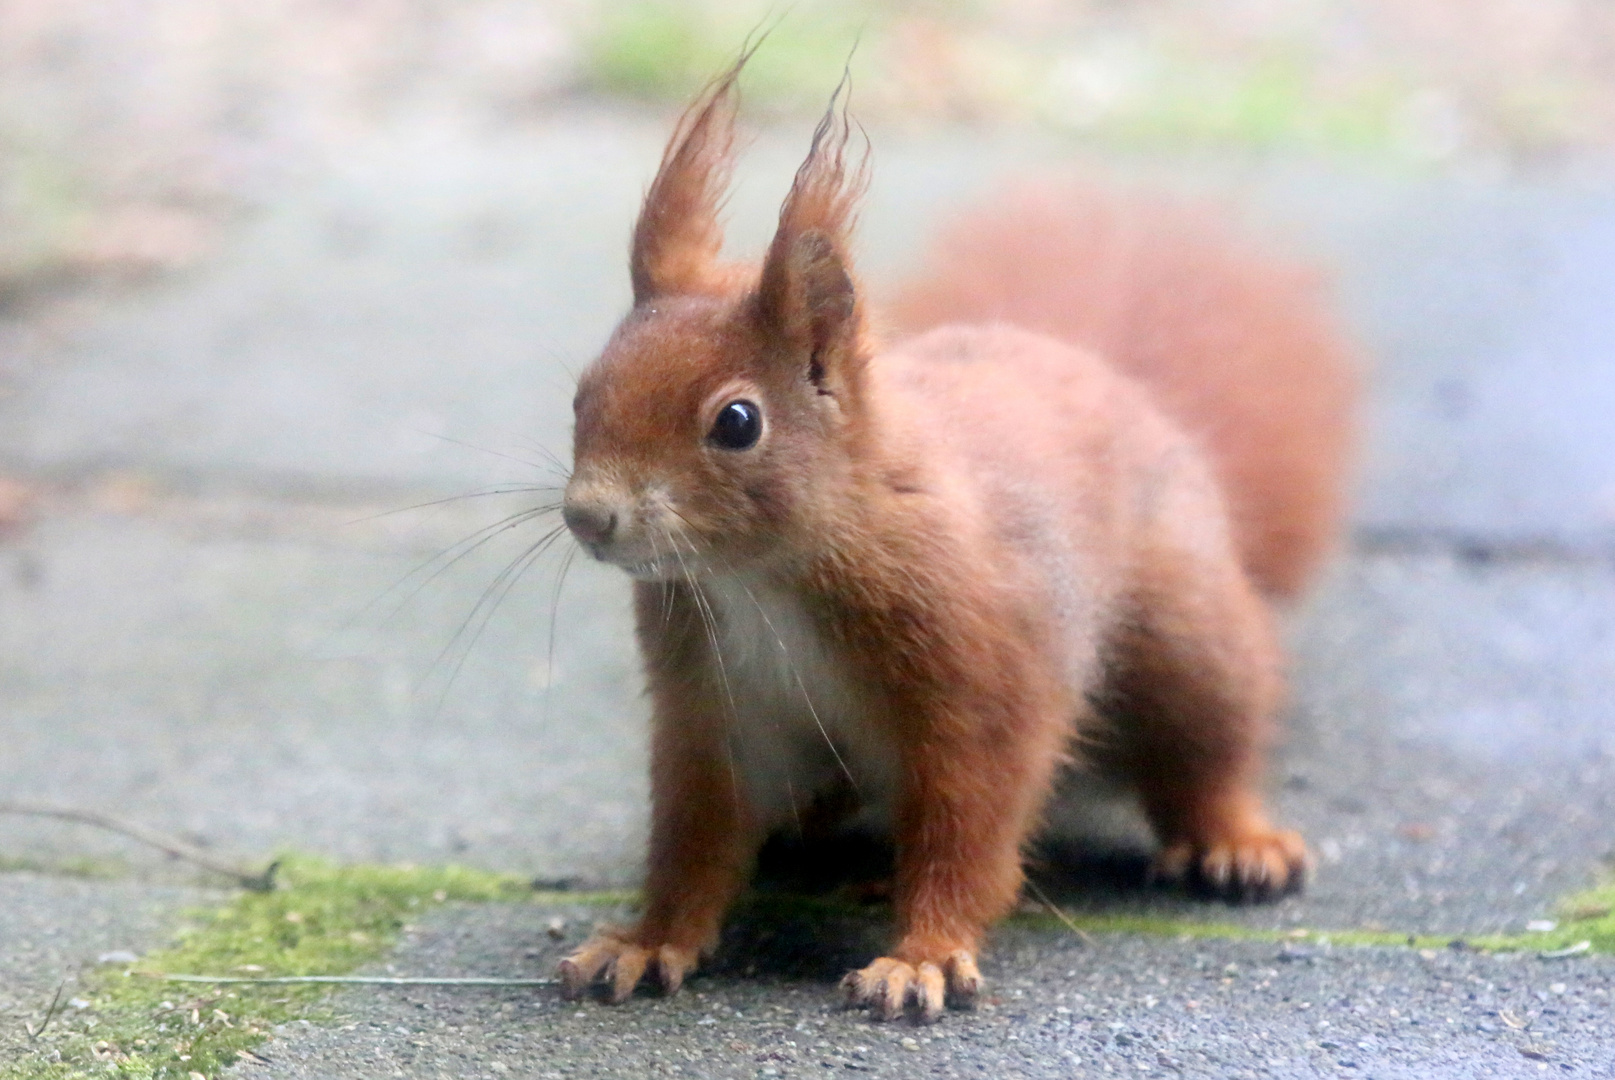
802,721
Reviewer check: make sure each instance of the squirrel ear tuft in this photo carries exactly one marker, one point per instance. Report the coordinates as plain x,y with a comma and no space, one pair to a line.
677,238
806,292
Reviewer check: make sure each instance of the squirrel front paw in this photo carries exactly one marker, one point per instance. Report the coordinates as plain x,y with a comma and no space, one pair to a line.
1257,866
616,959
889,986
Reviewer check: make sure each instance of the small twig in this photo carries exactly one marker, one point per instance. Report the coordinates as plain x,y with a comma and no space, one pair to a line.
179,849
1054,910
50,1014
348,980
1573,950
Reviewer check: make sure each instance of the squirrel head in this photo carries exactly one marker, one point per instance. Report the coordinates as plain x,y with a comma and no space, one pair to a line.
711,428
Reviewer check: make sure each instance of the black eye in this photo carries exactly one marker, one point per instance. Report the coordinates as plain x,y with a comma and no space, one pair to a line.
738,427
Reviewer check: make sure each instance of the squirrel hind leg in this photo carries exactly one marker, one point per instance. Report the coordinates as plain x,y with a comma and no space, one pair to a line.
1238,856
1195,683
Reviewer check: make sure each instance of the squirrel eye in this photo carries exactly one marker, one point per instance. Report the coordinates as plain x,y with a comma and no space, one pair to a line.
738,427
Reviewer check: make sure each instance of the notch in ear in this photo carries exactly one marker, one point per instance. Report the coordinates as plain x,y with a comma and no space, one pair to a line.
677,237
806,293
808,298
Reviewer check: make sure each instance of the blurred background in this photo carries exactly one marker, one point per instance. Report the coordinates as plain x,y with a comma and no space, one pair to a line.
129,131
272,271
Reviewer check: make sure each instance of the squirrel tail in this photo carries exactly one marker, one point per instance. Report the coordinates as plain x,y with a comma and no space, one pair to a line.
1238,347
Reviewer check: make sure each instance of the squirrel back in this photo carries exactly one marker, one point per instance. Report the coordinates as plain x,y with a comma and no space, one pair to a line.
1236,346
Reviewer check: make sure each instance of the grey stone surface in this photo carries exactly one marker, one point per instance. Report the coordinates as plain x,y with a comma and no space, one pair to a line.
53,928
1057,1007
1452,754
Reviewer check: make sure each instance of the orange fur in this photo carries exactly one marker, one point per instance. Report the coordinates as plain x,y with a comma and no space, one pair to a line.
1234,344
905,572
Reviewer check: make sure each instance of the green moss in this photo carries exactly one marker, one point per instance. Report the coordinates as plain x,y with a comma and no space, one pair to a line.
1158,926
1587,916
322,920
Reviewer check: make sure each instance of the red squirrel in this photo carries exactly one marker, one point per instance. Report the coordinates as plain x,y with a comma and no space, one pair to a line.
921,576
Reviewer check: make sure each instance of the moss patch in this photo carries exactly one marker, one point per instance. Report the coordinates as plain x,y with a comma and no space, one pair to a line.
1583,917
1157,926
1588,916
322,920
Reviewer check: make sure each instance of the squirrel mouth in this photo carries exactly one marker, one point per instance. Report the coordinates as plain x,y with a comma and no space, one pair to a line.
649,570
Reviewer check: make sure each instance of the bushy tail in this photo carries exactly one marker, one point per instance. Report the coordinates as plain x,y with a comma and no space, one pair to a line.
1238,347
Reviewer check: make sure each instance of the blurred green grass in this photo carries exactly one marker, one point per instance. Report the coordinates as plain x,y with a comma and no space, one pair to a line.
660,50
1130,79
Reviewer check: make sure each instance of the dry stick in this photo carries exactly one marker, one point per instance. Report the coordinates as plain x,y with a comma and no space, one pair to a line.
179,849
349,980
1058,914
50,1013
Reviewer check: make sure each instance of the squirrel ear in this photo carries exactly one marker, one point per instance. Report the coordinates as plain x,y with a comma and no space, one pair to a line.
806,293
808,296
677,238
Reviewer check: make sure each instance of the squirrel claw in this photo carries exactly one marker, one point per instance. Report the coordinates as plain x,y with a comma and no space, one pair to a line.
890,986
621,964
1260,867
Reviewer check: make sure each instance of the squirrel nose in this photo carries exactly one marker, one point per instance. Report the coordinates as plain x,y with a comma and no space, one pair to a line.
591,522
